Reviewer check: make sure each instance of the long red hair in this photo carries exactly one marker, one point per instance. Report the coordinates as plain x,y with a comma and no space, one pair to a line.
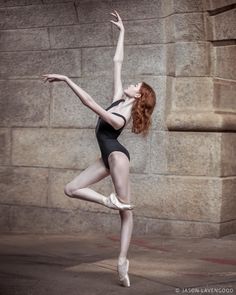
142,109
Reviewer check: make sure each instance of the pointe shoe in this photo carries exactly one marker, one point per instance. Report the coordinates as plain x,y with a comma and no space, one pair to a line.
114,203
123,273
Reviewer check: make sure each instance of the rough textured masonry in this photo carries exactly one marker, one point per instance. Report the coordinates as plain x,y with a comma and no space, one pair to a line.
183,174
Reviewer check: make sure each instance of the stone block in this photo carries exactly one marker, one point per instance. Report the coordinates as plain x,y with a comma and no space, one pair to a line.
170,59
186,153
30,219
140,9
59,148
6,3
169,197
201,121
187,5
138,147
167,8
93,11
192,93
189,27
56,1
217,4
151,60
24,186
5,146
224,62
173,228
224,25
84,35
228,204
24,39
169,26
4,218
57,198
34,64
67,109
37,16
192,59
149,31
228,154
224,95
24,103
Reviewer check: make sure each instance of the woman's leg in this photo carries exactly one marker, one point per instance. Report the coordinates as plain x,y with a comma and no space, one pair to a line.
119,170
77,188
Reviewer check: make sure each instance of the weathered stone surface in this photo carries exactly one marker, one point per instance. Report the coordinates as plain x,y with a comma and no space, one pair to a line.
228,154
187,5
186,153
180,228
59,148
169,26
67,109
228,205
57,198
37,16
55,220
192,59
56,1
138,147
5,146
192,93
25,186
175,197
216,4
189,27
143,59
167,8
19,2
84,35
24,103
5,218
224,95
201,121
224,62
170,59
142,32
94,11
224,25
140,9
24,39
36,63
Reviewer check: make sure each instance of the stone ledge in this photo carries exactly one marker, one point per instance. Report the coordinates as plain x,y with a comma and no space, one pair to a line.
44,220
201,121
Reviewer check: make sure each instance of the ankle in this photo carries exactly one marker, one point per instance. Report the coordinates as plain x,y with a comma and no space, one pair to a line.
121,260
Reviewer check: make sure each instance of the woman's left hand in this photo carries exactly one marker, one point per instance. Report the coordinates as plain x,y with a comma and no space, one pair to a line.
53,78
119,22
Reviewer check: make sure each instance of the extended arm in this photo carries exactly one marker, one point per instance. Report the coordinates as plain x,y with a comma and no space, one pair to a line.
118,59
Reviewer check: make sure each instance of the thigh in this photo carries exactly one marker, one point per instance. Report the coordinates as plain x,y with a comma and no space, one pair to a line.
119,170
94,173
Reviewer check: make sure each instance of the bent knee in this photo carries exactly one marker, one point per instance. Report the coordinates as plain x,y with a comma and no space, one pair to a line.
68,190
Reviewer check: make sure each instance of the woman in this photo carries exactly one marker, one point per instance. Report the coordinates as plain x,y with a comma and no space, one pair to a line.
138,104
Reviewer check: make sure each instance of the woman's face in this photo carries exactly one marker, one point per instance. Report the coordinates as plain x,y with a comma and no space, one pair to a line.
132,91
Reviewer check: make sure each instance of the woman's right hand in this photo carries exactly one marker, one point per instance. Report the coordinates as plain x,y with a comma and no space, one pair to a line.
118,22
53,78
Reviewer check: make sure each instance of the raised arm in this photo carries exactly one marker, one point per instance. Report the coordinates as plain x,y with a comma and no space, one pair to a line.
118,58
115,121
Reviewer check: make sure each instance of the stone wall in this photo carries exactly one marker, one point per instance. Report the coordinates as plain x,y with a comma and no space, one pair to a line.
183,175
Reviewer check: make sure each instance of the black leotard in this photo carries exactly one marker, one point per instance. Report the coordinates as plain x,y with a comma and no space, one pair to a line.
107,136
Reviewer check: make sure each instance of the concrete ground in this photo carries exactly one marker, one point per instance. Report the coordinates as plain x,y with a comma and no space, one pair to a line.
86,265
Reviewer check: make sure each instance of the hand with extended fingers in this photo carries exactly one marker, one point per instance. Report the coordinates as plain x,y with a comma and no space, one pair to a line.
118,21
53,78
